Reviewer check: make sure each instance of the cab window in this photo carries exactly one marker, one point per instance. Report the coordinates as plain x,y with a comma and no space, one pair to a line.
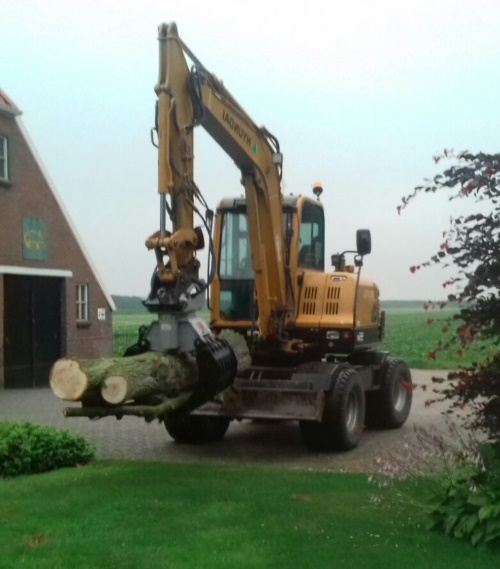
312,237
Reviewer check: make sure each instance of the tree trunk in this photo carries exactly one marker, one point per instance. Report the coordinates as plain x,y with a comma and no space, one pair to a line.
118,380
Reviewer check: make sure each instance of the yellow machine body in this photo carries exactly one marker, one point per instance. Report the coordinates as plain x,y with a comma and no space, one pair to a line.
327,312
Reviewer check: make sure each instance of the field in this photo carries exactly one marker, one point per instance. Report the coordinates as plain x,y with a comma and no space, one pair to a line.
410,335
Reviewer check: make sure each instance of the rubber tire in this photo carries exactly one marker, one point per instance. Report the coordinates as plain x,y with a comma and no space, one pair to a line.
196,429
386,408
334,432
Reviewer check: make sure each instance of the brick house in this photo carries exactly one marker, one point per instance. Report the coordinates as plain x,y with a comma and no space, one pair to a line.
52,302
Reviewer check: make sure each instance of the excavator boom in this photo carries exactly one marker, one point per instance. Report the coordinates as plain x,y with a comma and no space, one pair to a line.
188,97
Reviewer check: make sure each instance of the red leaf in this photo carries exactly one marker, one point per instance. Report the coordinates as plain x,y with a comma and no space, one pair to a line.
430,320
413,269
406,385
444,329
436,159
431,355
466,190
428,403
460,353
426,307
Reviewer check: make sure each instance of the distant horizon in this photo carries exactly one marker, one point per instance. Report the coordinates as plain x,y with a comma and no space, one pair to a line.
415,300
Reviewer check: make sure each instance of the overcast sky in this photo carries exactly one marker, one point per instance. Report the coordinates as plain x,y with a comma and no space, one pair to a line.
361,94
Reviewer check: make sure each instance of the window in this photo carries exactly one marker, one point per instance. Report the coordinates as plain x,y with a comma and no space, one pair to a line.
235,258
312,237
235,269
4,159
82,303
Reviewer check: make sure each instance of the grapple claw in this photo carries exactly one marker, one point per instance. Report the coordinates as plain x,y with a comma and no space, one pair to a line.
217,366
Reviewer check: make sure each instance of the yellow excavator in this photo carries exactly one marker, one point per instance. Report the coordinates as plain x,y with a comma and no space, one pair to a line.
311,333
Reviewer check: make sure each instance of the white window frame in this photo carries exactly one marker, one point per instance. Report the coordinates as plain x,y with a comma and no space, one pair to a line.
4,158
82,302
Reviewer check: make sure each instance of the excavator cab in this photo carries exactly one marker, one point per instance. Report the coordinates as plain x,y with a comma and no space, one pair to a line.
328,312
233,297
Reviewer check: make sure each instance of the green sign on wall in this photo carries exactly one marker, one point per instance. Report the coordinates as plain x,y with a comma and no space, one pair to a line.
34,239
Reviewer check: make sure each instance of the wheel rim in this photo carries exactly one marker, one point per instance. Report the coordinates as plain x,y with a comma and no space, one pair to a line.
352,412
399,394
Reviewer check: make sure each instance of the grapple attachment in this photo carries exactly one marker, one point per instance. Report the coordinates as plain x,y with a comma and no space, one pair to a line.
217,367
215,359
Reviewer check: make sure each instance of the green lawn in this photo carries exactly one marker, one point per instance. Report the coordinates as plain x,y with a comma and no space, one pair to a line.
408,336
143,515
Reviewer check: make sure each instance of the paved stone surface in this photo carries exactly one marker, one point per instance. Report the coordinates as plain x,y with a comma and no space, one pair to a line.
245,442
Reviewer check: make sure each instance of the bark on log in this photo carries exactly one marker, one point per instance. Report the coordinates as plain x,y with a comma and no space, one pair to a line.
150,374
123,379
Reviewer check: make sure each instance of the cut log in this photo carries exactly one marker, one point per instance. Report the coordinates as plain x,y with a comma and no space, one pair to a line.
150,374
123,379
149,385
70,380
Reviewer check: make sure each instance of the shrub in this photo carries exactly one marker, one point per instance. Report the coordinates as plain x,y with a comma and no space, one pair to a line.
470,249
464,477
26,448
467,504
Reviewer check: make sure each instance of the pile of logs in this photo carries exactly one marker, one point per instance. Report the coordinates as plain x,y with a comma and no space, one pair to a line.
118,386
149,385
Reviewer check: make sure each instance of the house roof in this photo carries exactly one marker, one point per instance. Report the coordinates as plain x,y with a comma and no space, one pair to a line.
7,104
57,197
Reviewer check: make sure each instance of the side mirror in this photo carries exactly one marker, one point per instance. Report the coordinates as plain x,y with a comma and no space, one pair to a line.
363,241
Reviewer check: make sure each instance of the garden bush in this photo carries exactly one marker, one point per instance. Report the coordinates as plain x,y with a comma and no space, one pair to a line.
26,448
467,504
470,251
461,476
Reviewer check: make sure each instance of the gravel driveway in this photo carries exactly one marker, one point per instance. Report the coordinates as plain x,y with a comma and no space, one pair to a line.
246,442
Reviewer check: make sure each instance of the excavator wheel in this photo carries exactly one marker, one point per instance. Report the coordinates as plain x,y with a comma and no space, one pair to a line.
343,417
196,429
389,407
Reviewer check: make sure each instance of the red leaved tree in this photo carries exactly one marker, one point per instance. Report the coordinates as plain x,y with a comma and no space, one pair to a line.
472,246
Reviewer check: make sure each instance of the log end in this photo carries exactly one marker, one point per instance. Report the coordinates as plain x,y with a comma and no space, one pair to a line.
67,380
114,389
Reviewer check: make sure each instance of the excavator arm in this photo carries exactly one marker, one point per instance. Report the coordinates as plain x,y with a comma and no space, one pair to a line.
189,96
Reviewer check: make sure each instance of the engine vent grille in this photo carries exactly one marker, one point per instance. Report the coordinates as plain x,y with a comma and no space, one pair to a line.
310,296
332,300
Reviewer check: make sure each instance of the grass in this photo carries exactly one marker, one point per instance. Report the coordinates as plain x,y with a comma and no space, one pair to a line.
150,515
408,336
412,334
125,328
